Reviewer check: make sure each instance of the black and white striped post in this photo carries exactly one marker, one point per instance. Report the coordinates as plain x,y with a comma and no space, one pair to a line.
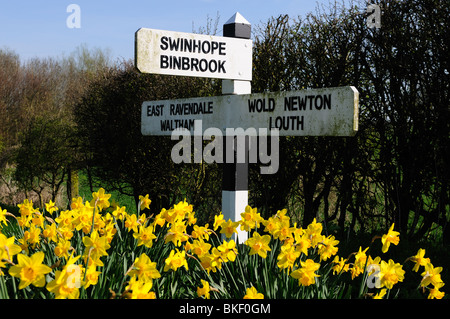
235,175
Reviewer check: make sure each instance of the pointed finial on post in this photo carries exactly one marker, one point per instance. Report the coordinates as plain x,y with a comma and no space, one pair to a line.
237,27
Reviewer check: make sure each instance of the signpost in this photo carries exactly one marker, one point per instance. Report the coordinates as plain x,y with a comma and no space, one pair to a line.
313,112
188,54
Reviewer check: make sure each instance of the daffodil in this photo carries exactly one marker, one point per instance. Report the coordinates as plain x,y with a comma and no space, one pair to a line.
271,225
380,294
390,238
314,232
327,247
100,199
283,230
302,242
145,236
431,275
7,249
252,293
198,247
50,232
228,250
120,213
91,276
138,289
259,244
390,273
306,274
177,233
3,214
30,270
419,260
204,290
96,247
287,257
61,288
218,220
250,218
144,268
51,207
340,265
435,293
229,228
26,208
360,262
32,236
201,232
176,260
182,209
144,202
131,222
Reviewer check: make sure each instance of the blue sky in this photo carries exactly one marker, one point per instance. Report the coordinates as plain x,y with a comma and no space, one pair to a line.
38,28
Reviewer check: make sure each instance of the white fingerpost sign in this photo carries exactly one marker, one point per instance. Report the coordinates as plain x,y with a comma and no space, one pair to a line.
312,112
190,54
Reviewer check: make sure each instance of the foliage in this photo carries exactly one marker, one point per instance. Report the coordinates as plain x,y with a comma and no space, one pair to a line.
97,250
394,169
38,164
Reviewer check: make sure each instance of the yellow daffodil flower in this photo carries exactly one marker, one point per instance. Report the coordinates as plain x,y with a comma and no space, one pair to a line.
144,202
229,228
287,257
390,273
204,290
145,236
306,273
30,270
252,293
176,260
419,260
390,238
431,275
259,244
144,268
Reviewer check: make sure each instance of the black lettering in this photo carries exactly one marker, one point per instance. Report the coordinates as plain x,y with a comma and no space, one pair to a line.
251,106
212,66
164,62
194,64
292,122
214,46
318,105
271,104
203,65
155,110
208,49
310,97
210,106
185,63
302,103
222,48
164,44
196,46
176,62
188,45
222,67
174,44
327,101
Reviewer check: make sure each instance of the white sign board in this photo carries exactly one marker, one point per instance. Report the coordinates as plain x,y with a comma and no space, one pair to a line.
189,54
314,112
